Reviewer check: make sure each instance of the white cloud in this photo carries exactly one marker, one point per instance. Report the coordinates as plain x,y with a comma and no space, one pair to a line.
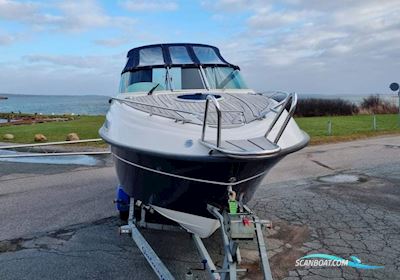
111,42
149,5
306,45
266,17
370,16
316,46
311,30
39,79
80,62
62,74
221,6
25,12
79,16
82,15
71,16
6,39
13,10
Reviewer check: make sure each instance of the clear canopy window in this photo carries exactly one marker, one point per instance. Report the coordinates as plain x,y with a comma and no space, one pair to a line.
207,55
151,56
179,55
143,80
178,78
224,78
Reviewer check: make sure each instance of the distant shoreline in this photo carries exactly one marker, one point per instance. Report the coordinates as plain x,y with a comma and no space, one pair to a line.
55,104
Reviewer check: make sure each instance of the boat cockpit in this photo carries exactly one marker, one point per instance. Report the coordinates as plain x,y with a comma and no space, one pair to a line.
177,67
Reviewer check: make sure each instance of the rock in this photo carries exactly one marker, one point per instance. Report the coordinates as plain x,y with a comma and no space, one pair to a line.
72,137
8,136
40,138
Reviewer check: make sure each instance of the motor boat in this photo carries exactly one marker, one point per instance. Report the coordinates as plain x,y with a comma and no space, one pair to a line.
186,132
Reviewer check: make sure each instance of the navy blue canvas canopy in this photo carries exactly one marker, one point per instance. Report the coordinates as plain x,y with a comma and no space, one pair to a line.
174,55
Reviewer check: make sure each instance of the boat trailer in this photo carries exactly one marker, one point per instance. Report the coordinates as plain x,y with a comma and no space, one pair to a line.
235,226
244,225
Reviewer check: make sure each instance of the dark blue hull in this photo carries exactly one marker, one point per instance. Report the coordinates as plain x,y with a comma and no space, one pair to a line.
180,194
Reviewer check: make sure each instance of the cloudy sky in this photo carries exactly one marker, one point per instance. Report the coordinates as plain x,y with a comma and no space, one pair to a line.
311,47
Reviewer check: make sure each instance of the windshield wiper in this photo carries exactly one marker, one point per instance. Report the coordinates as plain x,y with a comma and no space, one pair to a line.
228,78
153,89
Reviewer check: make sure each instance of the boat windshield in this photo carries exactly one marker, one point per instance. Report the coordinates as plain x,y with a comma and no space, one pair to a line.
224,78
143,80
178,78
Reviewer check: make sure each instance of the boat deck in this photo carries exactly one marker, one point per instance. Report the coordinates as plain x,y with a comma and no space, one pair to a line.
236,108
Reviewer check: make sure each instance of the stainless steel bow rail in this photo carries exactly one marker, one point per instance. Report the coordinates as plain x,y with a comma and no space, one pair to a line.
233,230
254,147
283,104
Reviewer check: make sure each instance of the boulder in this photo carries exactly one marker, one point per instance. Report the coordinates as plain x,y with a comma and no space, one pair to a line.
8,136
40,138
72,137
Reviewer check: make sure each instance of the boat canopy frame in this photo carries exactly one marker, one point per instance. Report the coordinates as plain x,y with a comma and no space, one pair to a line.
194,59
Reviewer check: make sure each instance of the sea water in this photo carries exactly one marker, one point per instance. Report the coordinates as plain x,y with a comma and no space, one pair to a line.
57,104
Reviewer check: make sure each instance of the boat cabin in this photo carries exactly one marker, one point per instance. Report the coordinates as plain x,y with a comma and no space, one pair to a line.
178,67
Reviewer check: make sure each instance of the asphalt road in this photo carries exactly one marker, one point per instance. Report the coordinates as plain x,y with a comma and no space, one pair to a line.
59,222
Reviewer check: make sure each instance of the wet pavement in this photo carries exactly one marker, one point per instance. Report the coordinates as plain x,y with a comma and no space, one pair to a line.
58,222
63,160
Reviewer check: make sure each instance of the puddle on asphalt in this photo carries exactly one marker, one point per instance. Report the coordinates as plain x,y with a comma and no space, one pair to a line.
6,121
77,159
342,178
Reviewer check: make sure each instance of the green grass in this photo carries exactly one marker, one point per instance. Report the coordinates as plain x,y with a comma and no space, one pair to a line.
85,126
344,128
